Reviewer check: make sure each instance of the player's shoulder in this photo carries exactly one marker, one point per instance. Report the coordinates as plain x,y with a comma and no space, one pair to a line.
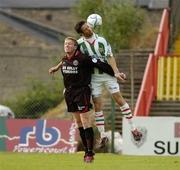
80,55
101,38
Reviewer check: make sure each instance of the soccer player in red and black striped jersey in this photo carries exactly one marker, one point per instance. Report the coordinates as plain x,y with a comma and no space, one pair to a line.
76,69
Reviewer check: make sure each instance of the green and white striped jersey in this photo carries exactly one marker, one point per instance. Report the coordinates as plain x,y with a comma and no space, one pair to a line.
99,48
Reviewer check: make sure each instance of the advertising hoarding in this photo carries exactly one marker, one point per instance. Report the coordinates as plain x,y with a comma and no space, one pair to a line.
161,136
43,136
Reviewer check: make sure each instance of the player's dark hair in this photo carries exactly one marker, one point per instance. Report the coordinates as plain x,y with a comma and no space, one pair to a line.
78,27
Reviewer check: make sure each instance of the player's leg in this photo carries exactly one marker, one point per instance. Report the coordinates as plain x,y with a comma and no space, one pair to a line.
89,135
126,112
96,88
70,98
99,116
114,89
81,130
124,107
82,101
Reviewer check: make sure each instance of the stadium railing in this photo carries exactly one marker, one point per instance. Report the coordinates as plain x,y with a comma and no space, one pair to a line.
148,90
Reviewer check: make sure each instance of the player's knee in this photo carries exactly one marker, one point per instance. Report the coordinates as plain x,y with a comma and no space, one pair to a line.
86,122
119,99
78,123
97,105
97,108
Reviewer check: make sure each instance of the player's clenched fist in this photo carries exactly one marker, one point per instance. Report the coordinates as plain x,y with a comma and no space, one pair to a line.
120,76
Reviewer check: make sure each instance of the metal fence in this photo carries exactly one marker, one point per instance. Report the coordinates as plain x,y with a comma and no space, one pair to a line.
25,85
46,93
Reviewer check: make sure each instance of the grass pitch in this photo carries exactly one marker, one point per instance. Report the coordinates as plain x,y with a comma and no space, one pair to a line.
34,161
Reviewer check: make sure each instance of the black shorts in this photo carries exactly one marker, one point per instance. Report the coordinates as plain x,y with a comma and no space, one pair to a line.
78,99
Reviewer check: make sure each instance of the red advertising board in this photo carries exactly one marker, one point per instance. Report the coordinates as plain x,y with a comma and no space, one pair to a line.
43,136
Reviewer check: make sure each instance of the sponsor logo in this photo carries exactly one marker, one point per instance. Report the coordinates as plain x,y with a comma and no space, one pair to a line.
45,137
170,147
167,147
139,143
69,70
75,62
42,136
94,60
80,108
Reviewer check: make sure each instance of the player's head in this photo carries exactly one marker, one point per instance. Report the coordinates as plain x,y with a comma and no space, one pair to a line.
83,29
70,45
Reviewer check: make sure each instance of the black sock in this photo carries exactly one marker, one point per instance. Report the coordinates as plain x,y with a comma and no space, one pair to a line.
89,134
83,138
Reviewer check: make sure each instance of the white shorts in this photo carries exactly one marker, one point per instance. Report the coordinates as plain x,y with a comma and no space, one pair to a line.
100,80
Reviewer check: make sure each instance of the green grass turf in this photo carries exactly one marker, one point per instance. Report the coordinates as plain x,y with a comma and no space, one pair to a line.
36,161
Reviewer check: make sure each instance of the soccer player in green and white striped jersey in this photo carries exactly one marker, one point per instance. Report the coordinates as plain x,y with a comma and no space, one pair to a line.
94,45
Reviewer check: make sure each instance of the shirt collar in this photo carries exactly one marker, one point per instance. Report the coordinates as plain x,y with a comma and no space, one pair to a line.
91,39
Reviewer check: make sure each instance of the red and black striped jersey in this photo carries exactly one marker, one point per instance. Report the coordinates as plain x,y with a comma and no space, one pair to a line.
77,70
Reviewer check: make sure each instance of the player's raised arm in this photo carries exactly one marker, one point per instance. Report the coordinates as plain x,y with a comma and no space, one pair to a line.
94,62
120,76
55,68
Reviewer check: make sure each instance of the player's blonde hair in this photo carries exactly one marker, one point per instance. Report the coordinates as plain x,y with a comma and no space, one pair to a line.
72,39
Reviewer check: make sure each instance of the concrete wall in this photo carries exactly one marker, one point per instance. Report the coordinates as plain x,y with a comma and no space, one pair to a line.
152,4
37,3
18,65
